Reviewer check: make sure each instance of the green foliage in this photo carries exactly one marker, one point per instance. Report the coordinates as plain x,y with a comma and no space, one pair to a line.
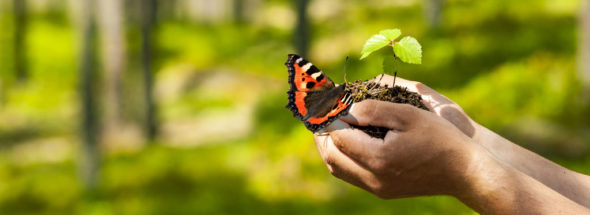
408,50
373,44
391,34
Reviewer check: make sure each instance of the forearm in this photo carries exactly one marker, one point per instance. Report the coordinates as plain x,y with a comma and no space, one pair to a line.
570,184
496,188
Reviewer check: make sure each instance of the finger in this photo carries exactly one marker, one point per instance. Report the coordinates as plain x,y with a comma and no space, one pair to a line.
340,165
458,118
359,146
337,125
436,102
430,97
381,114
446,108
384,79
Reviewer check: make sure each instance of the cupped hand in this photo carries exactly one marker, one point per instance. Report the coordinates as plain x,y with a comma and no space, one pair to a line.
436,102
422,154
443,151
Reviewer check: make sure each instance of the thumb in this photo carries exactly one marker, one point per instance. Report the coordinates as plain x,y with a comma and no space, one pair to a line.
381,114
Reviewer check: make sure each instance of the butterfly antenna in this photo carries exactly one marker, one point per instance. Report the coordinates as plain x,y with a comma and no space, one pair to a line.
345,62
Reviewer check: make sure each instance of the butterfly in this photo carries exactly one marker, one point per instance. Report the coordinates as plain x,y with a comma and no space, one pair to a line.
313,97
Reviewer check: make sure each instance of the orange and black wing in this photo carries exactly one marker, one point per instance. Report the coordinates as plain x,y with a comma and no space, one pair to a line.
313,97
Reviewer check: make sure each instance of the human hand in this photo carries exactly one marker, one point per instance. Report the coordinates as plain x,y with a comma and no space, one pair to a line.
407,157
422,154
442,106
437,103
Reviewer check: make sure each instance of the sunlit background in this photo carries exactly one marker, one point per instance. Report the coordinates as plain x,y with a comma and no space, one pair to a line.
177,106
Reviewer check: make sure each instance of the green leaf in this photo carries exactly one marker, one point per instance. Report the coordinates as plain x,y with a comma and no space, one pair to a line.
389,64
408,50
373,44
391,34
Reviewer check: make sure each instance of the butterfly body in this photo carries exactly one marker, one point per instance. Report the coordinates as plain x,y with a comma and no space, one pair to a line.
313,97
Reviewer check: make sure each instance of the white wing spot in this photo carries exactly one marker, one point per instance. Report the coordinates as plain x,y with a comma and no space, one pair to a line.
303,85
315,75
306,66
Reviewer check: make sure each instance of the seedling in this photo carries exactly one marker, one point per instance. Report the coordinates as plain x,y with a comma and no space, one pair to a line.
407,50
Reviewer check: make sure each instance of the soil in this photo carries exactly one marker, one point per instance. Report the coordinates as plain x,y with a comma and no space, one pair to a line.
370,90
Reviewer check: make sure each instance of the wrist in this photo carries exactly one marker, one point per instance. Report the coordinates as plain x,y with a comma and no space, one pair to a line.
485,136
496,145
493,187
485,179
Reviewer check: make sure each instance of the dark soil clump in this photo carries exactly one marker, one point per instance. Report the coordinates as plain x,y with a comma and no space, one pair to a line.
371,90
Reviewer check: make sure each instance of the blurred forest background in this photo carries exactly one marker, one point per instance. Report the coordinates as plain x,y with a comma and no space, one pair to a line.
177,106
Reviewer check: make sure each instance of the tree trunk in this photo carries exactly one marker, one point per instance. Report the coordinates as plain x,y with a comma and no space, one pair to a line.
584,47
2,57
168,9
432,12
301,36
238,11
90,164
113,51
148,19
20,27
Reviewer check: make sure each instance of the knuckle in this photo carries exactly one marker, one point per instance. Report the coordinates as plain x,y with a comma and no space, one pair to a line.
409,111
379,190
335,137
381,195
366,110
333,167
334,172
419,84
423,87
373,112
377,107
459,108
321,145
329,160
375,187
364,107
379,165
341,146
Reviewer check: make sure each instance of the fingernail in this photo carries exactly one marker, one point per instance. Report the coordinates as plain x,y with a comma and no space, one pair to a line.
348,118
336,125
351,108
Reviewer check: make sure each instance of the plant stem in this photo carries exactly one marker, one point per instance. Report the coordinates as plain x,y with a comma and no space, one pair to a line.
345,62
394,77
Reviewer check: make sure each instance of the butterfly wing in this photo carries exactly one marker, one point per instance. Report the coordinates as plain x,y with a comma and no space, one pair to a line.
304,76
320,120
313,97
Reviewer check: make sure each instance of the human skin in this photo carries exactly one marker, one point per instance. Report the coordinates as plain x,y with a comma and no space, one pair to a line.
445,152
573,185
